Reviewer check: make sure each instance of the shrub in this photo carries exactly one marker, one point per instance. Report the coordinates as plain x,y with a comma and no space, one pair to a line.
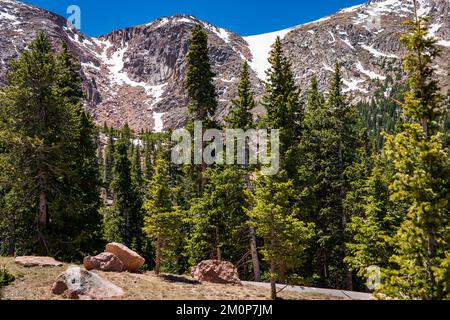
5,278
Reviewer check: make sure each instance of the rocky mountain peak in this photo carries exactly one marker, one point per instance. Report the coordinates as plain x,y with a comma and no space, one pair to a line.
136,74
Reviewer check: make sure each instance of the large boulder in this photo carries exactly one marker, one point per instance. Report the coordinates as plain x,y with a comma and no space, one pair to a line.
216,271
76,283
32,261
104,261
130,259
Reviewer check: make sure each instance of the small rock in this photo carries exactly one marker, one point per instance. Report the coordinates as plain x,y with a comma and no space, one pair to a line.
130,259
59,287
32,261
215,271
76,283
104,261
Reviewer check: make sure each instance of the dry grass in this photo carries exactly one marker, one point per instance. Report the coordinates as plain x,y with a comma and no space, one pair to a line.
35,283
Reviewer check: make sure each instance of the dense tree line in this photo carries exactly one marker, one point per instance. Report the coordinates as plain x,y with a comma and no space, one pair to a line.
360,187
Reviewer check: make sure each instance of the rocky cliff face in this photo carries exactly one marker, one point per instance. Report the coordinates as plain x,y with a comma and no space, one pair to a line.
136,75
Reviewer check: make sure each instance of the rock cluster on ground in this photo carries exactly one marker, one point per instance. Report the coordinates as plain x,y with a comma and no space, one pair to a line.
117,258
130,259
215,271
32,261
104,261
76,283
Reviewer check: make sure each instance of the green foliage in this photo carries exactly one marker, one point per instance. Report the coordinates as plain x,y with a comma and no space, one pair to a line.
199,84
326,153
217,218
240,116
382,113
276,221
283,106
199,79
421,180
375,219
5,278
123,222
109,162
163,219
51,174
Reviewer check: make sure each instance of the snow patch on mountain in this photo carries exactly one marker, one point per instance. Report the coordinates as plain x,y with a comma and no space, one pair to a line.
347,42
351,9
6,16
260,47
370,74
444,43
159,123
352,85
378,53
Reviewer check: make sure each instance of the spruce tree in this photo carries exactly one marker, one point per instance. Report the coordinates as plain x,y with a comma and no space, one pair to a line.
276,221
422,179
202,97
344,124
82,227
240,116
375,218
136,169
217,217
283,106
325,154
163,219
123,222
109,163
42,126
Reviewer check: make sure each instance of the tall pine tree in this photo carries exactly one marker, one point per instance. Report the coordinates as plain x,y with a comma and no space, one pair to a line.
163,219
422,179
202,98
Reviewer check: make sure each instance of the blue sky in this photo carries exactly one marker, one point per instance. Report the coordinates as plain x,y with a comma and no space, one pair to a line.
246,17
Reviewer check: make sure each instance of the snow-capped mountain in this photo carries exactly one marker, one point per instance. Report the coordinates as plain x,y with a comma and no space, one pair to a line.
136,75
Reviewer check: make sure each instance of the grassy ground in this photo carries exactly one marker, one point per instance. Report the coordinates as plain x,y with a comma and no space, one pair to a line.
35,283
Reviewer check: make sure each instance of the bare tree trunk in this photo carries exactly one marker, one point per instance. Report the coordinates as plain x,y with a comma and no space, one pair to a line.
12,238
255,258
42,219
219,251
158,257
203,166
282,272
273,269
253,244
273,283
348,274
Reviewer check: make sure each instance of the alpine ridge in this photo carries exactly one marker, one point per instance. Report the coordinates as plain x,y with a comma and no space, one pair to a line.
136,74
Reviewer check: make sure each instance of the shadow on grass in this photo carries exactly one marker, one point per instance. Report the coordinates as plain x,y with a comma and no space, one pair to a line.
173,279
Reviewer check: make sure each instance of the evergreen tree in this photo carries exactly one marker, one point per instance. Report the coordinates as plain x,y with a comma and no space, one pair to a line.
326,152
240,116
345,123
123,222
82,227
283,106
109,163
202,98
422,179
42,126
162,218
276,221
314,97
375,219
217,217
136,170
